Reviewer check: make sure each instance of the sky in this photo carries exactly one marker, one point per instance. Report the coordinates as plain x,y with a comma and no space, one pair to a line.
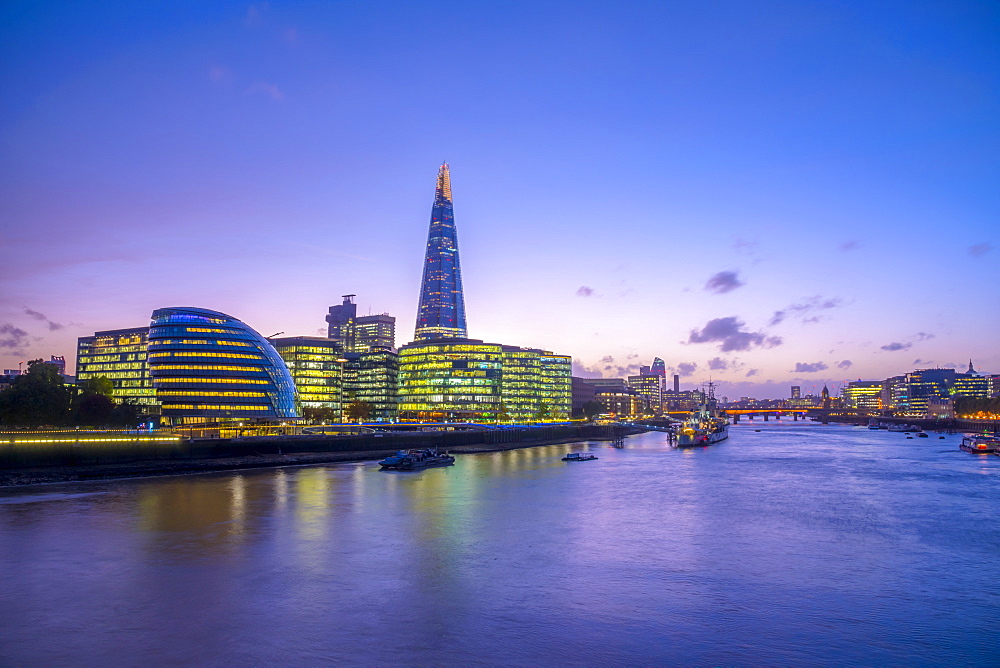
763,194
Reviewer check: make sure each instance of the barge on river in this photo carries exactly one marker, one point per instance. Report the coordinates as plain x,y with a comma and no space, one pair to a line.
411,460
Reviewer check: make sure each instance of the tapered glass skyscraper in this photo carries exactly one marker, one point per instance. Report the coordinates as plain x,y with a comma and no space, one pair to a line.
441,314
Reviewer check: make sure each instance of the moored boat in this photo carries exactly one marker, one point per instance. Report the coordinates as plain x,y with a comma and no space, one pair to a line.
410,460
579,457
983,445
705,426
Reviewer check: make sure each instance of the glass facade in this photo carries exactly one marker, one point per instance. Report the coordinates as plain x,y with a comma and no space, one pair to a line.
373,377
441,314
467,379
207,365
317,367
864,395
120,356
649,388
449,380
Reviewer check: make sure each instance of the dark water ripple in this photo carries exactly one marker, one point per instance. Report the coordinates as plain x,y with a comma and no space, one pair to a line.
799,545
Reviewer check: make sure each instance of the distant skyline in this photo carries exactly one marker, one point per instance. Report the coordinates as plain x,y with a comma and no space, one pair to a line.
768,194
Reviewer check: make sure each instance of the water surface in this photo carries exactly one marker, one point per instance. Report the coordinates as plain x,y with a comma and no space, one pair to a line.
800,544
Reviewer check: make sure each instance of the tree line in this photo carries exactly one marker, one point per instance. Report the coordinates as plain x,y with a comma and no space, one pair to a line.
975,405
41,398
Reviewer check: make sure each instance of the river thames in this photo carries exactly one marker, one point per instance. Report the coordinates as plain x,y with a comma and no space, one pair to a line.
798,544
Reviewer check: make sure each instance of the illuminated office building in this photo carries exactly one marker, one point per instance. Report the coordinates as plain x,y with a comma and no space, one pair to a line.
443,375
373,377
209,366
649,388
619,402
862,395
467,379
555,393
441,313
120,356
450,380
316,365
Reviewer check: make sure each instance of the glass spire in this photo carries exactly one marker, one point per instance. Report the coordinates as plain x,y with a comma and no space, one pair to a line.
441,314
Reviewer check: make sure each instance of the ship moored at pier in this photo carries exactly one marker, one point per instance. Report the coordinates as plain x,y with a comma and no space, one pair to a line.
705,426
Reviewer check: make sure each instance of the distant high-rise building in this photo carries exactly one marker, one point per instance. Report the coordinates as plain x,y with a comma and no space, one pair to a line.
677,383
340,320
360,334
374,332
441,314
796,391
659,367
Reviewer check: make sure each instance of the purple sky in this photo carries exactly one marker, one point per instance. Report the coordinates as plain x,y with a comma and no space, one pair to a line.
767,193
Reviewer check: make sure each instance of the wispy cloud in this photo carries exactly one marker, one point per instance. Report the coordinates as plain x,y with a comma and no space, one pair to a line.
13,339
852,244
722,282
979,250
895,345
584,291
810,367
804,308
53,326
844,364
270,90
291,35
730,335
255,14
218,72
753,372
923,336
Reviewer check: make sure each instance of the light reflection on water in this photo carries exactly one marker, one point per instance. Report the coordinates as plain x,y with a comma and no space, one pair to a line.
799,544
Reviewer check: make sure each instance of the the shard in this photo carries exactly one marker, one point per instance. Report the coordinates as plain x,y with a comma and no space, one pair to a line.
441,314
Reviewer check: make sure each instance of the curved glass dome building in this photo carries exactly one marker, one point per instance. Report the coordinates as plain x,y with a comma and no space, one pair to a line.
207,366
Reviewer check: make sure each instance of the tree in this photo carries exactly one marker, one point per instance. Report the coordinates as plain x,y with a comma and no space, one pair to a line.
319,414
99,385
37,398
592,409
359,410
94,410
543,412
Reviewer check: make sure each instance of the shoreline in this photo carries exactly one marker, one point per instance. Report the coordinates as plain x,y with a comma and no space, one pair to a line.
44,475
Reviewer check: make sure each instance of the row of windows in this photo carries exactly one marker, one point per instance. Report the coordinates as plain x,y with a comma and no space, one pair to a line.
199,342
84,358
195,393
206,367
113,375
215,381
190,353
91,368
215,407
451,381
166,329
